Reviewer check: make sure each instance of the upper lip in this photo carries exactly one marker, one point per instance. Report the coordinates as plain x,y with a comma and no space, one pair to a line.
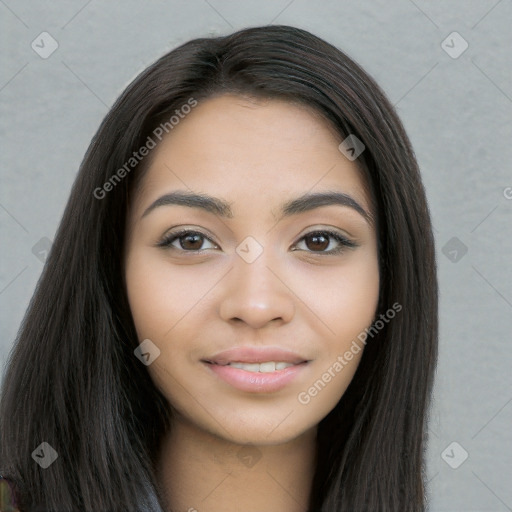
255,355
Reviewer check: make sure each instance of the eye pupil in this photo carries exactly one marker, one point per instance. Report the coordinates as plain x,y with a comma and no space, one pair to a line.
195,239
319,242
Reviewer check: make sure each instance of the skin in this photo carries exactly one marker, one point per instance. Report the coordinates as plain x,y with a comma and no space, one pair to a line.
255,154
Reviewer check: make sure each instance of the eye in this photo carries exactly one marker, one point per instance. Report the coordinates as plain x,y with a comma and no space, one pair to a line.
188,240
319,241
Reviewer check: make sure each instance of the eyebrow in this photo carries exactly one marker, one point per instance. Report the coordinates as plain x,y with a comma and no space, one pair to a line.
217,206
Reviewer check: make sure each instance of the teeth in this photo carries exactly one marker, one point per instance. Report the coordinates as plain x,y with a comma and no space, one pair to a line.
267,367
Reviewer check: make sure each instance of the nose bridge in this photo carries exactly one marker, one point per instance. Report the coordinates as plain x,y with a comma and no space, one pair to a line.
255,294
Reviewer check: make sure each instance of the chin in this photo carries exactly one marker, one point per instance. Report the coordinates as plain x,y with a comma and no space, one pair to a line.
247,430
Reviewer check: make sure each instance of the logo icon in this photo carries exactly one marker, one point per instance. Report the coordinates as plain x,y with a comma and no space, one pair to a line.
44,455
454,45
352,147
249,455
454,249
454,455
44,45
42,248
249,249
147,352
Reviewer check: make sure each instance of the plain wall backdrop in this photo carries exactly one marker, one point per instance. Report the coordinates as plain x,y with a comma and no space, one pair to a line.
447,68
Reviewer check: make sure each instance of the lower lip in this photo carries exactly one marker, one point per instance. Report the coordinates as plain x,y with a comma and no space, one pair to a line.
257,382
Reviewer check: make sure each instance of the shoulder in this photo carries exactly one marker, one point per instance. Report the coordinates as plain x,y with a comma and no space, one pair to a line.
8,498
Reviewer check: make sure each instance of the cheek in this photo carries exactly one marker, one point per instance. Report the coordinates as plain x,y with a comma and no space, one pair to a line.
346,304
354,301
344,299
160,294
145,295
163,298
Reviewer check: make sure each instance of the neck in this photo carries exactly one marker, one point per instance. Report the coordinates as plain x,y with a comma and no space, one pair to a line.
200,471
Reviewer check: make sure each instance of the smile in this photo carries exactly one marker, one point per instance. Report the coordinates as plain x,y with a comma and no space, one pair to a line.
265,377
267,367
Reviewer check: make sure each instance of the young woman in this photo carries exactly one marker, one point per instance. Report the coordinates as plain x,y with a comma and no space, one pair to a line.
239,310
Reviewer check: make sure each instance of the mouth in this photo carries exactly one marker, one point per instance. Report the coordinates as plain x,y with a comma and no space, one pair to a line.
269,359
263,367
257,370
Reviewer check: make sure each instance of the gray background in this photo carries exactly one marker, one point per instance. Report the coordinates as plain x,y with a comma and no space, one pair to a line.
457,112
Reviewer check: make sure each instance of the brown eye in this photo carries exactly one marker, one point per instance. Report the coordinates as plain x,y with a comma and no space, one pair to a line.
191,242
188,241
316,242
319,241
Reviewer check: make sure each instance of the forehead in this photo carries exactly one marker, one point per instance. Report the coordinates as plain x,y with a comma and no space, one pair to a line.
253,152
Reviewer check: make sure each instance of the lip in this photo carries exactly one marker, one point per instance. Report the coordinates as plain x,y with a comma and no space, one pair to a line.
255,355
256,382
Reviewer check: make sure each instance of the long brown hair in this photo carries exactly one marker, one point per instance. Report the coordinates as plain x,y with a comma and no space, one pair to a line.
72,379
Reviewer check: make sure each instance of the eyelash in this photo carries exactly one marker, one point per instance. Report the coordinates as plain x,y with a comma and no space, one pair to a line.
176,235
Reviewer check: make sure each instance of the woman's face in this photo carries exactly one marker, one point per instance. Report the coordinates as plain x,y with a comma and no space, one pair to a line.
255,278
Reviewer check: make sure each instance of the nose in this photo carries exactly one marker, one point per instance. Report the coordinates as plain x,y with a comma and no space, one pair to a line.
256,294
